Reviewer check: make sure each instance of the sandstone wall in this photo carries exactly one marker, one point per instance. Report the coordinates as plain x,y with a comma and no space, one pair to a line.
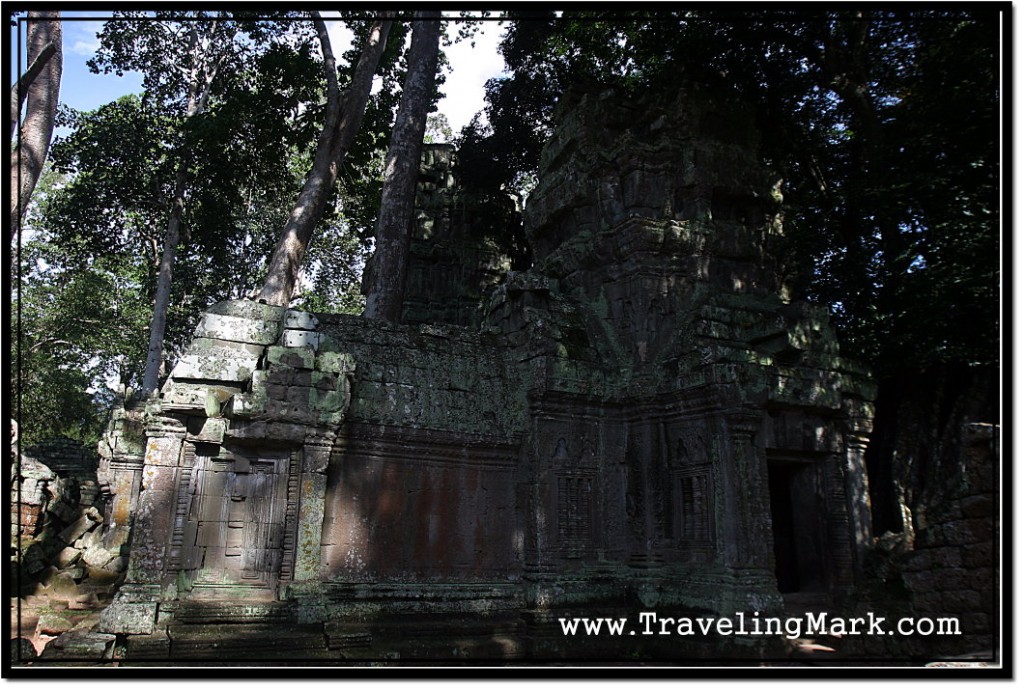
953,569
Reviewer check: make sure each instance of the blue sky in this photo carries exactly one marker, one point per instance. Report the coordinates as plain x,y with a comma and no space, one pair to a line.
83,90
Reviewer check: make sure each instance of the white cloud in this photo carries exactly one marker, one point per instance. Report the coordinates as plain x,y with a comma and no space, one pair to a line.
86,48
471,67
341,36
87,42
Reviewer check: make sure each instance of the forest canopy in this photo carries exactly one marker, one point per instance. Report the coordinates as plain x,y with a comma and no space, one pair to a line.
884,126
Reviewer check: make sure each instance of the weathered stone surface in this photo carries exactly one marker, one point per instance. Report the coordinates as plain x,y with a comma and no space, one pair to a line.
63,586
97,556
80,646
209,430
67,556
301,356
337,363
248,309
308,560
295,338
22,651
129,617
241,329
217,366
300,320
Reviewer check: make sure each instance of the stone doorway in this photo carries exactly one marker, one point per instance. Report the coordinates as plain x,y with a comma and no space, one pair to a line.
797,509
233,535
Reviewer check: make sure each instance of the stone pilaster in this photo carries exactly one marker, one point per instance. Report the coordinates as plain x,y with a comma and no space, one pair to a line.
858,499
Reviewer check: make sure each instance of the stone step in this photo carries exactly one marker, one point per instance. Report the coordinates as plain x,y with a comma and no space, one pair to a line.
266,640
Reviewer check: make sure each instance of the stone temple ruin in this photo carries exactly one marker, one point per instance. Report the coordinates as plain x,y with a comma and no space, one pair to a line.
637,421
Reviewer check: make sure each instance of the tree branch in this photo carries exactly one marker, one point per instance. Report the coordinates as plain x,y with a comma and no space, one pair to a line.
330,67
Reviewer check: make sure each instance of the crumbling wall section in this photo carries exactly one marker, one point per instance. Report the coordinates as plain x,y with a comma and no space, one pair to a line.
952,570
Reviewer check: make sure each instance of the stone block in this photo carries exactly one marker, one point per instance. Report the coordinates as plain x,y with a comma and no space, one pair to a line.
979,555
129,617
220,365
89,539
97,556
207,430
968,531
53,624
80,645
155,646
249,309
311,511
159,479
286,431
335,362
162,451
106,574
67,556
241,329
247,429
210,346
299,396
957,601
183,396
116,565
928,603
299,357
976,622
294,319
933,558
315,458
76,572
245,405
22,651
64,587
333,401
295,338
981,506
324,381
288,376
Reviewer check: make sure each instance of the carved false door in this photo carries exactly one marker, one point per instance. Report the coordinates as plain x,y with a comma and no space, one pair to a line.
235,526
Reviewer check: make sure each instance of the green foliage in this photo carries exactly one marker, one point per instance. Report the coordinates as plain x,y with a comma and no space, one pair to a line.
87,279
74,330
882,125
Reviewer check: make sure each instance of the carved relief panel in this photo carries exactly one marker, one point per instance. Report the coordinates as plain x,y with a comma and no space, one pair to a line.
693,492
575,497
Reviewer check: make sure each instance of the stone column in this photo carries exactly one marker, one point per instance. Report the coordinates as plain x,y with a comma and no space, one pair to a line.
134,611
746,520
857,496
744,517
312,495
124,478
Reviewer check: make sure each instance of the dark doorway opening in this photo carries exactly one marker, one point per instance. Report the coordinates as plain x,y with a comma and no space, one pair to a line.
797,525
787,570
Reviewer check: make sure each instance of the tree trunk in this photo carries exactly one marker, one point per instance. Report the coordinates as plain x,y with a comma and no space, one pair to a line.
40,93
344,116
203,72
158,324
386,284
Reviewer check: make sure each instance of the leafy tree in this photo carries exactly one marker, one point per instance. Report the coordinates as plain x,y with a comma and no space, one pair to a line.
120,167
74,329
180,57
345,111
